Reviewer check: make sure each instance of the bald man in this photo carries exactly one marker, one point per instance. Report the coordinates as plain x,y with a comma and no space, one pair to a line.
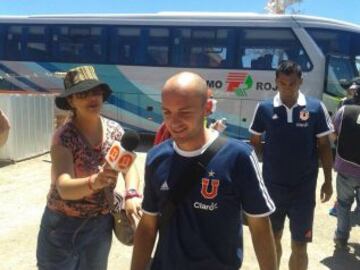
205,230
163,133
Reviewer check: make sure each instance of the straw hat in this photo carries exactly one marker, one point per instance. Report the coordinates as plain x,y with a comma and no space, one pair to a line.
77,80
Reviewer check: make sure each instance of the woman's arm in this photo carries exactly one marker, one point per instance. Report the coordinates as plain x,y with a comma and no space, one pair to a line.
71,188
132,203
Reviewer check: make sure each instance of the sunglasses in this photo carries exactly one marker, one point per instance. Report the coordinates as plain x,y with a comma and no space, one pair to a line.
93,92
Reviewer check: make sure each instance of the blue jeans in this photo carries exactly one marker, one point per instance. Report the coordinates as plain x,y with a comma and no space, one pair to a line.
69,243
345,188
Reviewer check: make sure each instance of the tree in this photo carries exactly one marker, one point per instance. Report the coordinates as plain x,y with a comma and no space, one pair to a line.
280,6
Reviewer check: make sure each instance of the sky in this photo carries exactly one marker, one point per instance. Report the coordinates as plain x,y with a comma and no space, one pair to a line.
346,10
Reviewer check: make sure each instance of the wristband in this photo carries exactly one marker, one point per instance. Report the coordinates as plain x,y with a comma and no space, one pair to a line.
90,184
132,193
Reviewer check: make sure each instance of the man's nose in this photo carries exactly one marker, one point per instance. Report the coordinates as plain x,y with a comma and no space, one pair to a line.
175,120
288,87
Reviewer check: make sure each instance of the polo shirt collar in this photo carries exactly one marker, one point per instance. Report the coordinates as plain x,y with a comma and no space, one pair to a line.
301,101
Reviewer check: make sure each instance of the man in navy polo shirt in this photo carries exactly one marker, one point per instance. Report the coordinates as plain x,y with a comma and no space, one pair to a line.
205,231
296,130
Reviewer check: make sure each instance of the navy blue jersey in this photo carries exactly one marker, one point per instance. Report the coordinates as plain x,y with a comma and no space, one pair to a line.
206,229
290,150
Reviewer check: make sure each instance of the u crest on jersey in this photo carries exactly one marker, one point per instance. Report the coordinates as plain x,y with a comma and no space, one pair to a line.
304,115
212,193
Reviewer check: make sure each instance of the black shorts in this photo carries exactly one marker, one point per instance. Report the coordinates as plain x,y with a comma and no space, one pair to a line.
298,204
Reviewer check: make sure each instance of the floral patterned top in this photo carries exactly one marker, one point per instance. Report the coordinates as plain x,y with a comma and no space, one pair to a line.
86,162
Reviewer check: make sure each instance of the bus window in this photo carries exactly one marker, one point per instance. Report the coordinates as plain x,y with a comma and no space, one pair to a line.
339,43
125,45
343,54
27,43
263,49
79,44
338,68
157,47
206,48
331,41
357,64
13,43
37,44
2,40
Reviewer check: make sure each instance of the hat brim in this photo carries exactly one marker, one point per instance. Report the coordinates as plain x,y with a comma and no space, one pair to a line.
61,100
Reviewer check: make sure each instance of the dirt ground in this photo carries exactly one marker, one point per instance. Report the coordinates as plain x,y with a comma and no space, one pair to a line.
23,189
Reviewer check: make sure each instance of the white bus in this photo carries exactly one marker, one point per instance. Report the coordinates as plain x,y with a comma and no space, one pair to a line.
236,53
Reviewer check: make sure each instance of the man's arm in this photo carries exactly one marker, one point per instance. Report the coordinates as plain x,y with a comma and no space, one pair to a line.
144,241
255,141
325,154
263,242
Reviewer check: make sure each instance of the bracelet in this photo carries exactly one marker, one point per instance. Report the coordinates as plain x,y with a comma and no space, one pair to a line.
90,184
132,193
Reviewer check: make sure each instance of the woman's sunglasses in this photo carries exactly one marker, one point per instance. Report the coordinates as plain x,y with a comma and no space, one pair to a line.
92,92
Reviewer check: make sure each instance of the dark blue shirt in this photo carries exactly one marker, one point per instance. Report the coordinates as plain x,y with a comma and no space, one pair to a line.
290,151
206,229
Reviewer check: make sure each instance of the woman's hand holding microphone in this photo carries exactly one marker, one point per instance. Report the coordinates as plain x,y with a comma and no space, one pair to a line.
106,176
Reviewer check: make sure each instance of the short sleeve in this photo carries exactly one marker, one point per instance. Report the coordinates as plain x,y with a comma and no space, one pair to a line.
337,119
255,198
56,138
119,133
257,125
65,136
323,125
114,130
149,204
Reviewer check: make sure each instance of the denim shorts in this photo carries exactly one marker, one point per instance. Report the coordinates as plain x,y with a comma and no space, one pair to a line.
70,243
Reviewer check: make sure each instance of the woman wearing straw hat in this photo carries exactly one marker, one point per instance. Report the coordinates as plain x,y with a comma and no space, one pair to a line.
76,227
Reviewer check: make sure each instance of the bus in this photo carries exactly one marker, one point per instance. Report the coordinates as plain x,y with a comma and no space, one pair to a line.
236,53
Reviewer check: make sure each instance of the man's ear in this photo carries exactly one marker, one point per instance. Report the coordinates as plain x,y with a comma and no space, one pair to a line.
208,106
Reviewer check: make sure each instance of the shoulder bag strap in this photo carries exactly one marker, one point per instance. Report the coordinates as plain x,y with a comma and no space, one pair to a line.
189,179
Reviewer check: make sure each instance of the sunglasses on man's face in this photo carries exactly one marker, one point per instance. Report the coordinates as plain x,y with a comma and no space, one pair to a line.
93,92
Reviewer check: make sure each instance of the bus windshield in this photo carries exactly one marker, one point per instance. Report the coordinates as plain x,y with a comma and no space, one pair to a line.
343,57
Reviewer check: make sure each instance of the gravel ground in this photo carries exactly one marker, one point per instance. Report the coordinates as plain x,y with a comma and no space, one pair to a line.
23,189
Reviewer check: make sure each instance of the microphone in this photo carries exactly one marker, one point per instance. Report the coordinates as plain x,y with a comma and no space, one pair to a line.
121,156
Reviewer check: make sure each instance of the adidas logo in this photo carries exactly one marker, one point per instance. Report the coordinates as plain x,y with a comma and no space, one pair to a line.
164,186
275,116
